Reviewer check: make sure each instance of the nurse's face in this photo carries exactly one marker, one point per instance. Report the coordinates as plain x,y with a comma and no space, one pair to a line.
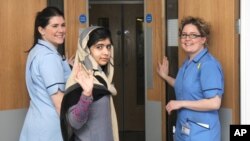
55,31
101,51
191,41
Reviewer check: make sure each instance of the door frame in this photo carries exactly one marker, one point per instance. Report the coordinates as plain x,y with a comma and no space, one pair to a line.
155,90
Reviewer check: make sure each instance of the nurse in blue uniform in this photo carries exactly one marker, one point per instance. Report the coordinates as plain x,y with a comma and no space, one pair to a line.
199,85
46,75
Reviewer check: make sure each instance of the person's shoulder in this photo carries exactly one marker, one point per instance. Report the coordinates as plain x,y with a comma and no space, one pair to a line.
46,52
40,50
46,56
210,58
209,62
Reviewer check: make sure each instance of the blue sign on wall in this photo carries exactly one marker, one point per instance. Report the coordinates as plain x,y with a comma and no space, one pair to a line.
149,18
82,18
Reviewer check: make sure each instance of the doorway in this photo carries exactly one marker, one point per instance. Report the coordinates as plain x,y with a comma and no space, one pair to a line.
172,54
125,21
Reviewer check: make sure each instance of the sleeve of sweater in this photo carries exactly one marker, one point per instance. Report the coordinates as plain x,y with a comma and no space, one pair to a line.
78,114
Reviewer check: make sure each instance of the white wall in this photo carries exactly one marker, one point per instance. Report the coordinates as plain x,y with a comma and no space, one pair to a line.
245,63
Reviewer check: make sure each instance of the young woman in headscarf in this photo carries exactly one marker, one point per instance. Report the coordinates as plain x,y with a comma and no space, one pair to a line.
87,112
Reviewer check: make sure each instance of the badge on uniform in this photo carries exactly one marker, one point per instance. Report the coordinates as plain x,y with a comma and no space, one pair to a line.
185,129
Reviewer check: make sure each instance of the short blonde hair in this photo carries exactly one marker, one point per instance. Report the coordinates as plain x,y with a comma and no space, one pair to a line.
202,26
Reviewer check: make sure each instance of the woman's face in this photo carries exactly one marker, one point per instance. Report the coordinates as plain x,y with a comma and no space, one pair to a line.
101,51
55,31
191,40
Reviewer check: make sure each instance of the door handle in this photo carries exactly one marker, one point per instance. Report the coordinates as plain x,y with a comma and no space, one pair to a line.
127,47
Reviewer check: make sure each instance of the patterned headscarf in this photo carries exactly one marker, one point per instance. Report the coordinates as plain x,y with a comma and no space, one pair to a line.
73,92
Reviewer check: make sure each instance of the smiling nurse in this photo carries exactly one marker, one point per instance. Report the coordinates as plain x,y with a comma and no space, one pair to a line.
46,75
199,85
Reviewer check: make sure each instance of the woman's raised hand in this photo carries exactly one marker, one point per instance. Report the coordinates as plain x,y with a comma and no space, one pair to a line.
85,78
163,68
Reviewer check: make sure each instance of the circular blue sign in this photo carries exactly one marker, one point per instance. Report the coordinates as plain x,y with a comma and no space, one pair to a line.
149,18
82,18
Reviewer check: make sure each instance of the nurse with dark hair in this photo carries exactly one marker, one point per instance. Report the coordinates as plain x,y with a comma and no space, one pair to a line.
46,75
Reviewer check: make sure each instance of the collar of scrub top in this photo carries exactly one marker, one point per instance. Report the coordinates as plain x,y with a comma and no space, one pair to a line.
47,45
198,57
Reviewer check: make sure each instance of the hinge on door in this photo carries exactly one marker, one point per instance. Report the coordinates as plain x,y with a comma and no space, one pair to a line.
238,26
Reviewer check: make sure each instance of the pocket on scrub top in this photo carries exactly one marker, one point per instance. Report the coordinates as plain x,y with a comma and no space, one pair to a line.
199,131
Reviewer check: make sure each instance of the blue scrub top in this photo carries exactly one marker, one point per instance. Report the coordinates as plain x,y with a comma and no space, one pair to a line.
46,73
198,79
